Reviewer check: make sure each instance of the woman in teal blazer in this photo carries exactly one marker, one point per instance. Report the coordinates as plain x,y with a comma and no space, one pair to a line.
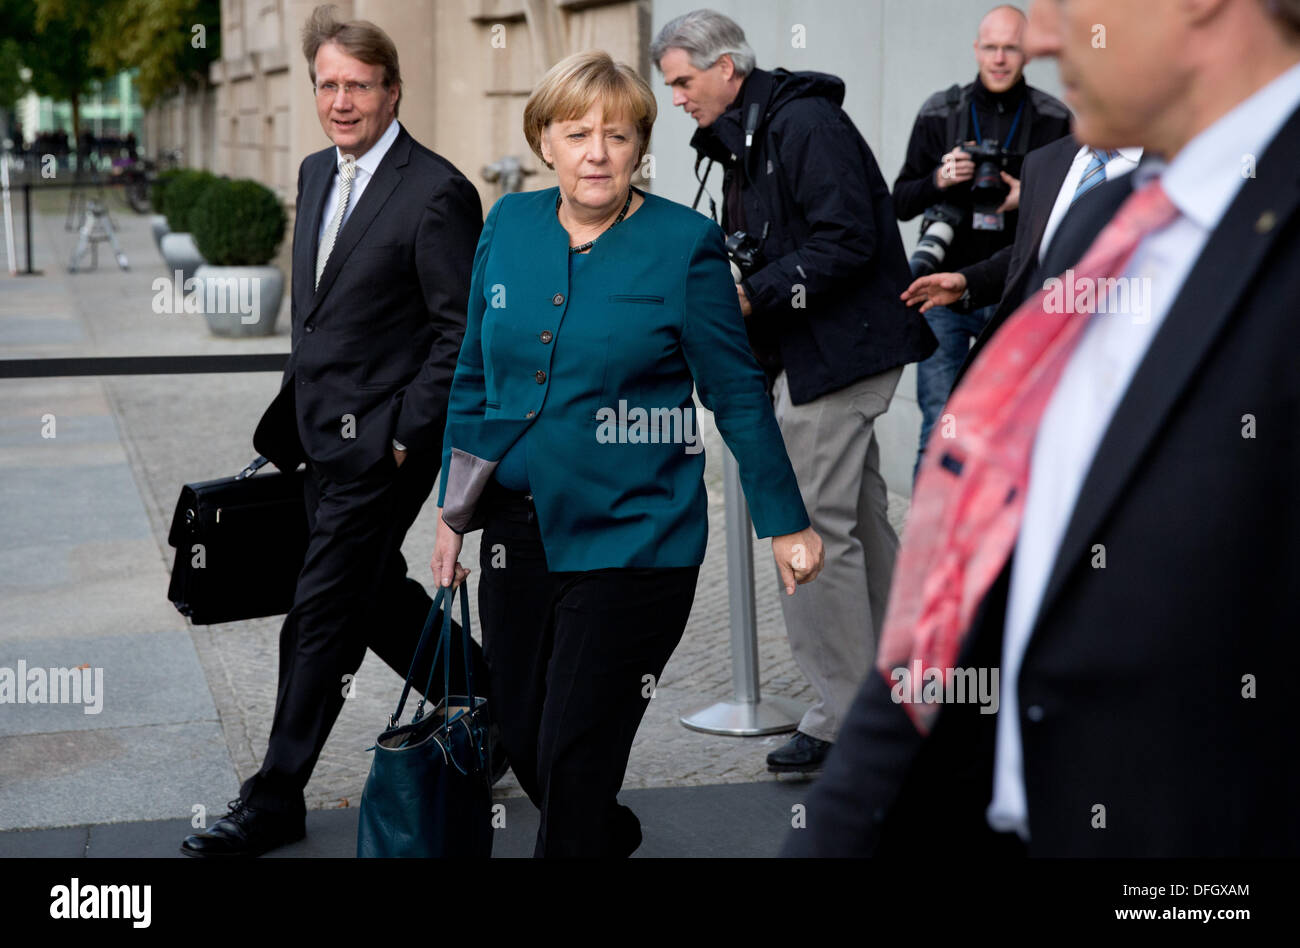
595,309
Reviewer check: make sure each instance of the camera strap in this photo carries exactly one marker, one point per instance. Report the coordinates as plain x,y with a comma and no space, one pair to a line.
751,124
954,98
713,207
1022,147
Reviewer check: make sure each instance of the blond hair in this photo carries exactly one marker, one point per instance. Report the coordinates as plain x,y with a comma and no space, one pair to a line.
572,85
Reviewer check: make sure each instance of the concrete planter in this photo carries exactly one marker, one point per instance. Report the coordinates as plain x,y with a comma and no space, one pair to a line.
158,224
240,301
181,253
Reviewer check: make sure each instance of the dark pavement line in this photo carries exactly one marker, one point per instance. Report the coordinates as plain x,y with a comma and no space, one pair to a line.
142,365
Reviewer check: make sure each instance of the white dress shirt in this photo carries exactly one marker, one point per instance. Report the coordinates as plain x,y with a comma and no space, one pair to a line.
1120,165
366,166
1201,181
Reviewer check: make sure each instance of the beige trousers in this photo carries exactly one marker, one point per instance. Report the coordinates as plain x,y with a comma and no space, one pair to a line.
834,621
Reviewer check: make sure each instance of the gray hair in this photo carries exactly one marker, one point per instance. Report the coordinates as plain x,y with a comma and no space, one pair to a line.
706,36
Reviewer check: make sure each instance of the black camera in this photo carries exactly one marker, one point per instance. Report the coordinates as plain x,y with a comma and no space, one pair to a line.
938,225
987,189
745,252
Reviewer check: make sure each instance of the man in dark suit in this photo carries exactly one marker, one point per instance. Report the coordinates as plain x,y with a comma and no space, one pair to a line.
1053,178
383,246
1144,623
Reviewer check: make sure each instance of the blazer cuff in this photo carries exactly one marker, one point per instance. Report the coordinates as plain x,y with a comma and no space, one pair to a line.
464,479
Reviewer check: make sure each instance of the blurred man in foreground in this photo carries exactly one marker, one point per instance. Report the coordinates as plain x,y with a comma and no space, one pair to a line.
1113,527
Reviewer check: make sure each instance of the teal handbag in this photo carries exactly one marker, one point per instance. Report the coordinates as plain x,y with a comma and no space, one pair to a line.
429,792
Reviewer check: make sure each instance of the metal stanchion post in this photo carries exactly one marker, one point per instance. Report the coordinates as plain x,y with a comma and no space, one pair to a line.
748,714
27,227
11,256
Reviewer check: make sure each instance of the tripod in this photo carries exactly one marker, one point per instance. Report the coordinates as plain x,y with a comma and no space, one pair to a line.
96,227
81,184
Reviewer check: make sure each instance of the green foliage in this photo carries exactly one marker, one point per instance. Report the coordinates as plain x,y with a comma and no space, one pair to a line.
168,42
18,19
158,190
183,194
11,83
58,48
69,45
237,223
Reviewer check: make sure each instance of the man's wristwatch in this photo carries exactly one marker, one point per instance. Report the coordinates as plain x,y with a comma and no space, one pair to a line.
398,446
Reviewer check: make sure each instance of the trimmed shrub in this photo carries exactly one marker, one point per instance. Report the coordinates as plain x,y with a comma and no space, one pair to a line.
158,189
238,223
183,193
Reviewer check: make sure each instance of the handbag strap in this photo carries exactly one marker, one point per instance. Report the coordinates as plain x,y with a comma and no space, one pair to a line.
444,649
444,599
415,659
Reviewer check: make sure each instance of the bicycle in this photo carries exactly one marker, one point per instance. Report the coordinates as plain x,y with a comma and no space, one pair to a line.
140,175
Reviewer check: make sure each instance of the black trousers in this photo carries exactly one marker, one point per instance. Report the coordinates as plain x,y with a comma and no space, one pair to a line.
572,658
353,592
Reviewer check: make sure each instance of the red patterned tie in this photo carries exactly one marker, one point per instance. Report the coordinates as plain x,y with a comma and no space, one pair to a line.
970,492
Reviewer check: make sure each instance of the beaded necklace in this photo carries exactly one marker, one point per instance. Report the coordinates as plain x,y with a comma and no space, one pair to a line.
588,245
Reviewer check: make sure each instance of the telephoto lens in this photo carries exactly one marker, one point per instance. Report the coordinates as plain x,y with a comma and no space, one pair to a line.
938,226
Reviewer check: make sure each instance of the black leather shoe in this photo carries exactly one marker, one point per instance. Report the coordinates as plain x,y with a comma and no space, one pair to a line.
799,755
246,831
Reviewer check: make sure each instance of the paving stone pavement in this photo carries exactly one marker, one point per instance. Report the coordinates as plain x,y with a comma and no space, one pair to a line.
176,429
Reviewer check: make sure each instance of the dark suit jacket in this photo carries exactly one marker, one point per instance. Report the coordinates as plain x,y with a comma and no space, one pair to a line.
376,342
1005,276
1161,684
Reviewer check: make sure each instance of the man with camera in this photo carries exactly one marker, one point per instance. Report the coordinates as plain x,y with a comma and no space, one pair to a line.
820,266
962,175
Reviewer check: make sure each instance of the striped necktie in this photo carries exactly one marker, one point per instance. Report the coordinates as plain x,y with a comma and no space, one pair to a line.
347,171
970,492
1094,174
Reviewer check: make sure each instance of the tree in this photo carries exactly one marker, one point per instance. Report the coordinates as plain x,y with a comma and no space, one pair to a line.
11,63
58,51
70,45
16,28
169,43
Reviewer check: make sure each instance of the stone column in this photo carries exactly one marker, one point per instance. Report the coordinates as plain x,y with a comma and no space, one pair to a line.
412,24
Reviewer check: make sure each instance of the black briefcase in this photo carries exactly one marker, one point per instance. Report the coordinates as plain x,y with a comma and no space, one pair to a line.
240,543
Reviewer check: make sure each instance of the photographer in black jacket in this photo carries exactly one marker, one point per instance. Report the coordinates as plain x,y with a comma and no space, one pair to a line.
812,232
962,173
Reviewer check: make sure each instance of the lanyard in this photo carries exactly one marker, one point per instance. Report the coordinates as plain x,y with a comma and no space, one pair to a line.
1011,132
